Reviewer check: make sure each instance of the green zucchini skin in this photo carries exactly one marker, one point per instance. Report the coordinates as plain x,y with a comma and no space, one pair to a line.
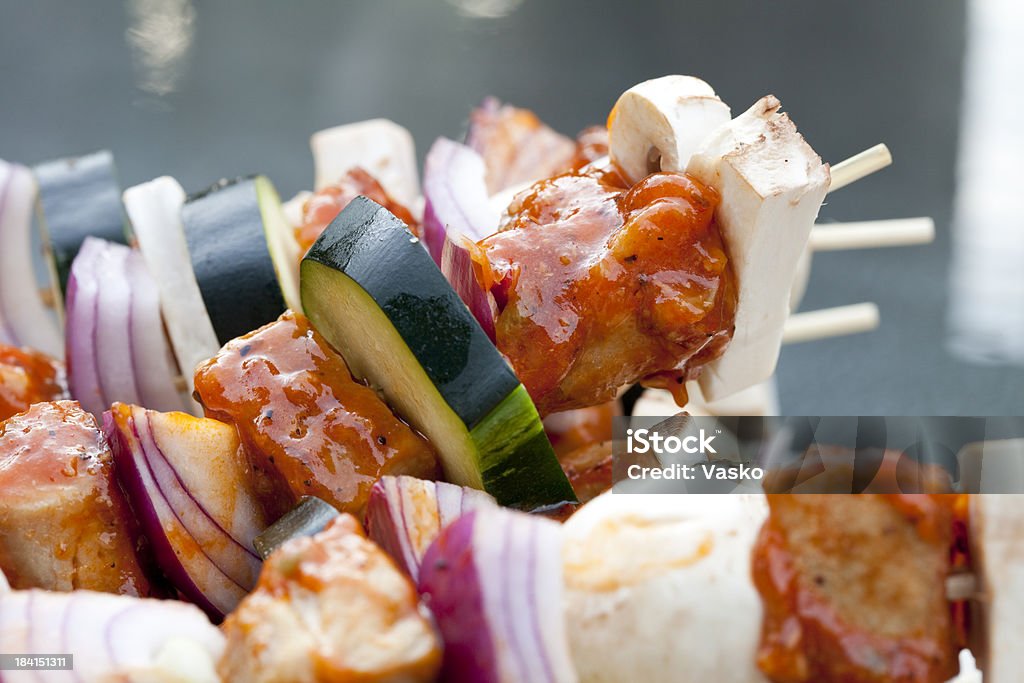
78,198
375,250
228,247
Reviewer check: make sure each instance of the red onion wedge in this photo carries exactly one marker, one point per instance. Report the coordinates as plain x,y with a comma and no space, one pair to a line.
111,637
186,479
405,515
457,266
24,318
493,579
456,196
116,347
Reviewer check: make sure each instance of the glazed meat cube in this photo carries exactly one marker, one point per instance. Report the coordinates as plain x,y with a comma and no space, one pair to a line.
307,427
28,377
333,607
853,588
599,285
64,523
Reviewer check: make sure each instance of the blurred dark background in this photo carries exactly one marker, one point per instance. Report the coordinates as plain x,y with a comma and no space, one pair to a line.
201,90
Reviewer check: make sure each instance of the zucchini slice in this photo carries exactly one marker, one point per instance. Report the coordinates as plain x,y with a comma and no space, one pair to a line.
78,198
374,292
243,254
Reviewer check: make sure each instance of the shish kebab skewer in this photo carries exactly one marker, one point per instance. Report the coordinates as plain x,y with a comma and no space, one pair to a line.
683,562
677,123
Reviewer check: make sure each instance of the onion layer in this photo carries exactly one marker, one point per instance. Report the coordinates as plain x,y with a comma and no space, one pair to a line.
457,211
493,580
405,515
112,637
187,482
456,197
116,347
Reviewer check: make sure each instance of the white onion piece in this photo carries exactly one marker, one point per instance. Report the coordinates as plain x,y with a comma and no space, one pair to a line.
405,515
4,586
112,637
493,580
24,318
154,209
455,194
380,147
116,347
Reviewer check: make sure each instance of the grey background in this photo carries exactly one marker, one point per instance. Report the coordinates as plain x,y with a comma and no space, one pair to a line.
264,74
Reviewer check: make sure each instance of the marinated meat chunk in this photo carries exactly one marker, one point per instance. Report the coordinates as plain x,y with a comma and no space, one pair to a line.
28,377
307,426
333,607
325,205
64,522
599,285
853,588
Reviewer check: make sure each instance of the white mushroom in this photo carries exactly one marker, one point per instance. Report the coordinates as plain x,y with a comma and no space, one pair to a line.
658,124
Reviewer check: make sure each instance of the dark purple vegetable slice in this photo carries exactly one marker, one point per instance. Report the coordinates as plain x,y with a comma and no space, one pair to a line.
405,515
493,580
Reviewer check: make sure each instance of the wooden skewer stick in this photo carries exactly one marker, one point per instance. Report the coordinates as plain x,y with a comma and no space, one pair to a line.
872,234
859,166
830,322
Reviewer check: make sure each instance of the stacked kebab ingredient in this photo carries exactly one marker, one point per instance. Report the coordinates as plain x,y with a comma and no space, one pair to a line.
343,428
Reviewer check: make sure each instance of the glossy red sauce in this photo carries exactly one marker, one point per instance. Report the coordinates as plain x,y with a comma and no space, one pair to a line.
324,206
28,377
599,285
307,426
64,521
805,639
